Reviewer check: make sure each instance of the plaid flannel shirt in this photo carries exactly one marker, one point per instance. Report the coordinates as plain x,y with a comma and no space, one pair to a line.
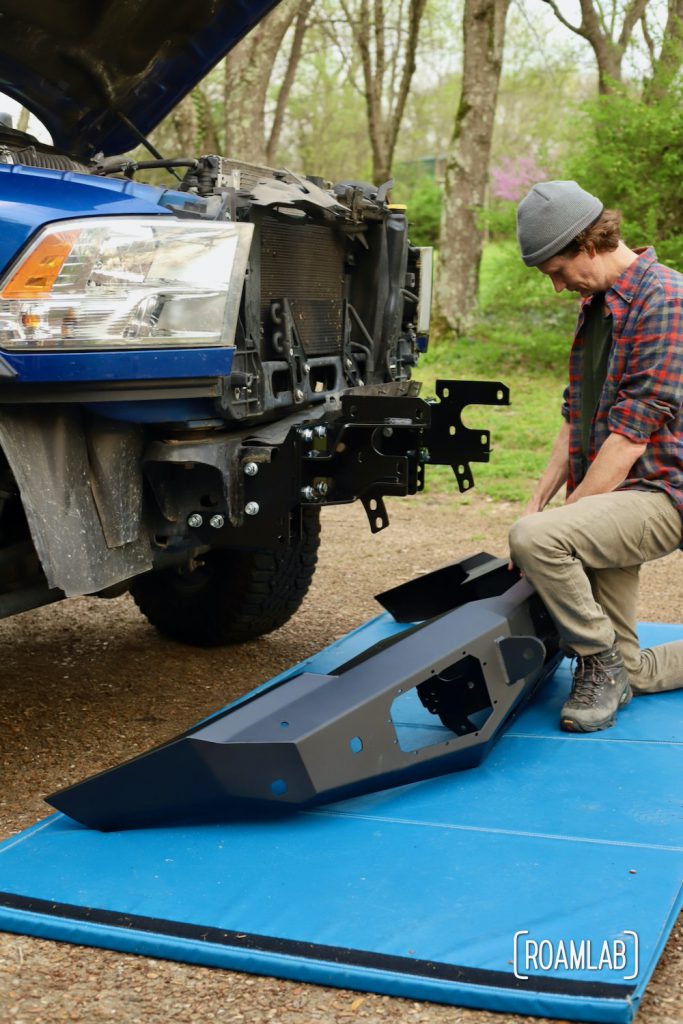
642,394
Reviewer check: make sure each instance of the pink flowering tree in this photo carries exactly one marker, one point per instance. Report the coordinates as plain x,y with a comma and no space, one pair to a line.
512,178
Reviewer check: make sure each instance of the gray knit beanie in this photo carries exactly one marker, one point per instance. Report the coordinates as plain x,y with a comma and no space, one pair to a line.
551,214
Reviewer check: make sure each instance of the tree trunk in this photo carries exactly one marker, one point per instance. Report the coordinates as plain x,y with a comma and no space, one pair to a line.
467,164
184,122
300,29
207,129
387,71
667,65
597,30
248,69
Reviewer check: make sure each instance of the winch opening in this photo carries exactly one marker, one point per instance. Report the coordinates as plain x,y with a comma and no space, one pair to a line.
449,703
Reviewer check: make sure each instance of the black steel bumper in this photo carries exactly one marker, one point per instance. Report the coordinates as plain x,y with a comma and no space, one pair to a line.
317,738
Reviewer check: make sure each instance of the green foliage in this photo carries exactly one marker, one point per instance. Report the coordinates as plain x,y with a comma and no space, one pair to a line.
427,124
500,220
631,155
325,131
540,77
522,338
423,200
326,135
509,290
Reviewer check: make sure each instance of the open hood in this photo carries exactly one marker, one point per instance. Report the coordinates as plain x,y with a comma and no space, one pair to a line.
83,67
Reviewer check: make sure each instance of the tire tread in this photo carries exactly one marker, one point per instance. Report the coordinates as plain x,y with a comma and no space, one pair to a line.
268,589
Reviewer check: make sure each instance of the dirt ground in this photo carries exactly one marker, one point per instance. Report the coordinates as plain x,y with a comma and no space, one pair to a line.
88,683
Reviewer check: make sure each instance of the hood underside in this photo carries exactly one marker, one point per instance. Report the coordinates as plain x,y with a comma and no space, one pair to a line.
84,67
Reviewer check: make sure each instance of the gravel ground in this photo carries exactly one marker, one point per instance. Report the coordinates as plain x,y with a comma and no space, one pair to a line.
88,683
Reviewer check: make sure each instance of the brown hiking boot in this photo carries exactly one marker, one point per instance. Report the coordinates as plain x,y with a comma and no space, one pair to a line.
600,687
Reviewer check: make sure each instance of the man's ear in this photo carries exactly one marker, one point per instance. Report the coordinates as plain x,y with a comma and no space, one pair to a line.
590,250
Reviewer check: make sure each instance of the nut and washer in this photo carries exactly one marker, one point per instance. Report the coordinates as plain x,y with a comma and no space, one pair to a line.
217,521
308,493
298,395
321,488
307,434
195,520
321,430
250,468
252,508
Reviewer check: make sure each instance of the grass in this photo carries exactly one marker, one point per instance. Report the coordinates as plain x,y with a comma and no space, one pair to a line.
521,337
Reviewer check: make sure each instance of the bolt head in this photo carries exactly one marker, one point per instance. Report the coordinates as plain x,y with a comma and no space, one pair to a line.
307,368
307,493
250,468
321,430
252,508
195,520
307,434
321,488
298,395
217,521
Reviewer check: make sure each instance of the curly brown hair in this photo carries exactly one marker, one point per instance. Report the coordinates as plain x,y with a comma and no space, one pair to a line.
602,235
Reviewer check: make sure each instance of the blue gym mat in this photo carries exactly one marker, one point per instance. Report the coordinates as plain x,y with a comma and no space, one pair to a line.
545,881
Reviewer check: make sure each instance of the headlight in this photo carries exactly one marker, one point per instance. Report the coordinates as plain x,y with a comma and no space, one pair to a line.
124,282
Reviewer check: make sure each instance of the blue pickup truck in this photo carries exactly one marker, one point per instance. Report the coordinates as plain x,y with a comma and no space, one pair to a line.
188,373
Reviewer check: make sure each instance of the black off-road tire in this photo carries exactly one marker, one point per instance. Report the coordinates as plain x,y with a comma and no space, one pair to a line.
235,595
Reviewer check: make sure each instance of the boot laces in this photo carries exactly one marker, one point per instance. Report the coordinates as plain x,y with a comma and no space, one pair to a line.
589,678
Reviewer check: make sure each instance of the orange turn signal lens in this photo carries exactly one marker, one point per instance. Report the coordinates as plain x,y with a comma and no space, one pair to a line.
37,274
31,321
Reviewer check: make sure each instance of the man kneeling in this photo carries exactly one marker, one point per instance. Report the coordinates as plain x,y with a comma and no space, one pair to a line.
618,451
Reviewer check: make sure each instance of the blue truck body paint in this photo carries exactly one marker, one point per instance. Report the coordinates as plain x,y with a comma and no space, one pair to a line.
191,412
31,197
77,366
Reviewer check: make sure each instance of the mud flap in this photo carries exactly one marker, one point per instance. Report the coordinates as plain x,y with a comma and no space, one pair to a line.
60,481
432,699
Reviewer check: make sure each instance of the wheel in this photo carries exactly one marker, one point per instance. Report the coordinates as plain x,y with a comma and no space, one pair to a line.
235,595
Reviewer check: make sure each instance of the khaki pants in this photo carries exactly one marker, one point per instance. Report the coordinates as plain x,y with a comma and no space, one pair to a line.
584,560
